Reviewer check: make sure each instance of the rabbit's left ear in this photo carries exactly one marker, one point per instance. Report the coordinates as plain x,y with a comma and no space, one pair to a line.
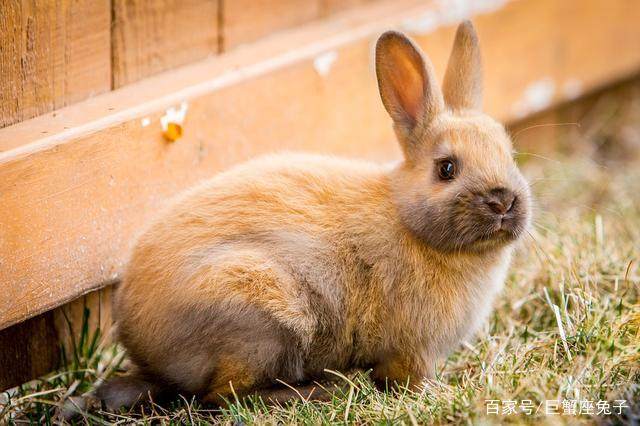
462,85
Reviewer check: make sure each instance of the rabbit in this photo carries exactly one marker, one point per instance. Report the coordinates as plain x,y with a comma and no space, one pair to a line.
291,264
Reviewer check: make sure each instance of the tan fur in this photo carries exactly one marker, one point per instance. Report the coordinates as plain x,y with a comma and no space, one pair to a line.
462,84
236,377
291,264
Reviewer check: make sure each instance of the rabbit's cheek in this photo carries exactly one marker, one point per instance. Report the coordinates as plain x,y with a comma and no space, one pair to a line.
444,225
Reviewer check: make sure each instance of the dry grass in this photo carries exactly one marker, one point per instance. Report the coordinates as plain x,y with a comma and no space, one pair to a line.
567,326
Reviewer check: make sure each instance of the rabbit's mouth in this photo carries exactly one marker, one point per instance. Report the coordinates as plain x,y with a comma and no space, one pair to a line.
504,231
501,235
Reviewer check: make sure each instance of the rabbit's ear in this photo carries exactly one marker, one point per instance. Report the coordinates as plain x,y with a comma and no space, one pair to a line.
406,82
462,86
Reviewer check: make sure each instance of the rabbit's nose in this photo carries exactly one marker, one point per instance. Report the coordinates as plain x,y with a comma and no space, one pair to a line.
500,200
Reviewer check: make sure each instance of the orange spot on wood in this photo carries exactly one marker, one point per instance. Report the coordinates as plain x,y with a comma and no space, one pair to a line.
173,132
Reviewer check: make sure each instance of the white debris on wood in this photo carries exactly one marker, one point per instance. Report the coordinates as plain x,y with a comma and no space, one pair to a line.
448,12
572,88
323,63
536,97
174,115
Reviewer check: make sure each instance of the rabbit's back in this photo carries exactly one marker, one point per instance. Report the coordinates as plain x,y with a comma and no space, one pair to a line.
295,207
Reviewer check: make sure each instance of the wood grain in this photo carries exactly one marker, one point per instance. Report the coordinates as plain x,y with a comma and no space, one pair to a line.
32,348
329,7
153,36
28,350
75,198
602,55
52,54
245,21
92,310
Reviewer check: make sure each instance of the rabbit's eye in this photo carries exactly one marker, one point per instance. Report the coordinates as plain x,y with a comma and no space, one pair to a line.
446,170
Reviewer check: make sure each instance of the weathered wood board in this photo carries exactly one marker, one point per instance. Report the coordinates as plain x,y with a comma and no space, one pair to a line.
33,347
25,350
245,21
52,54
329,7
154,36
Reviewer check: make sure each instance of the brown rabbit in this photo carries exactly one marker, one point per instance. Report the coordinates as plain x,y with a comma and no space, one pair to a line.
291,264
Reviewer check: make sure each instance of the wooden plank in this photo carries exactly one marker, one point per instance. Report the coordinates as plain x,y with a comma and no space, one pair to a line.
74,198
154,36
70,318
32,348
52,54
572,126
329,7
603,56
27,350
245,21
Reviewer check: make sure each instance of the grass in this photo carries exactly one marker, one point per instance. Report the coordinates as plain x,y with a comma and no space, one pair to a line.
566,328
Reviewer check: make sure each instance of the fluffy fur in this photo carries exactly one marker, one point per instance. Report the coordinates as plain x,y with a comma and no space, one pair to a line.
291,264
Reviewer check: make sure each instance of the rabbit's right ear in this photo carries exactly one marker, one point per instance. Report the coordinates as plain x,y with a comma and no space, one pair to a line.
406,82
